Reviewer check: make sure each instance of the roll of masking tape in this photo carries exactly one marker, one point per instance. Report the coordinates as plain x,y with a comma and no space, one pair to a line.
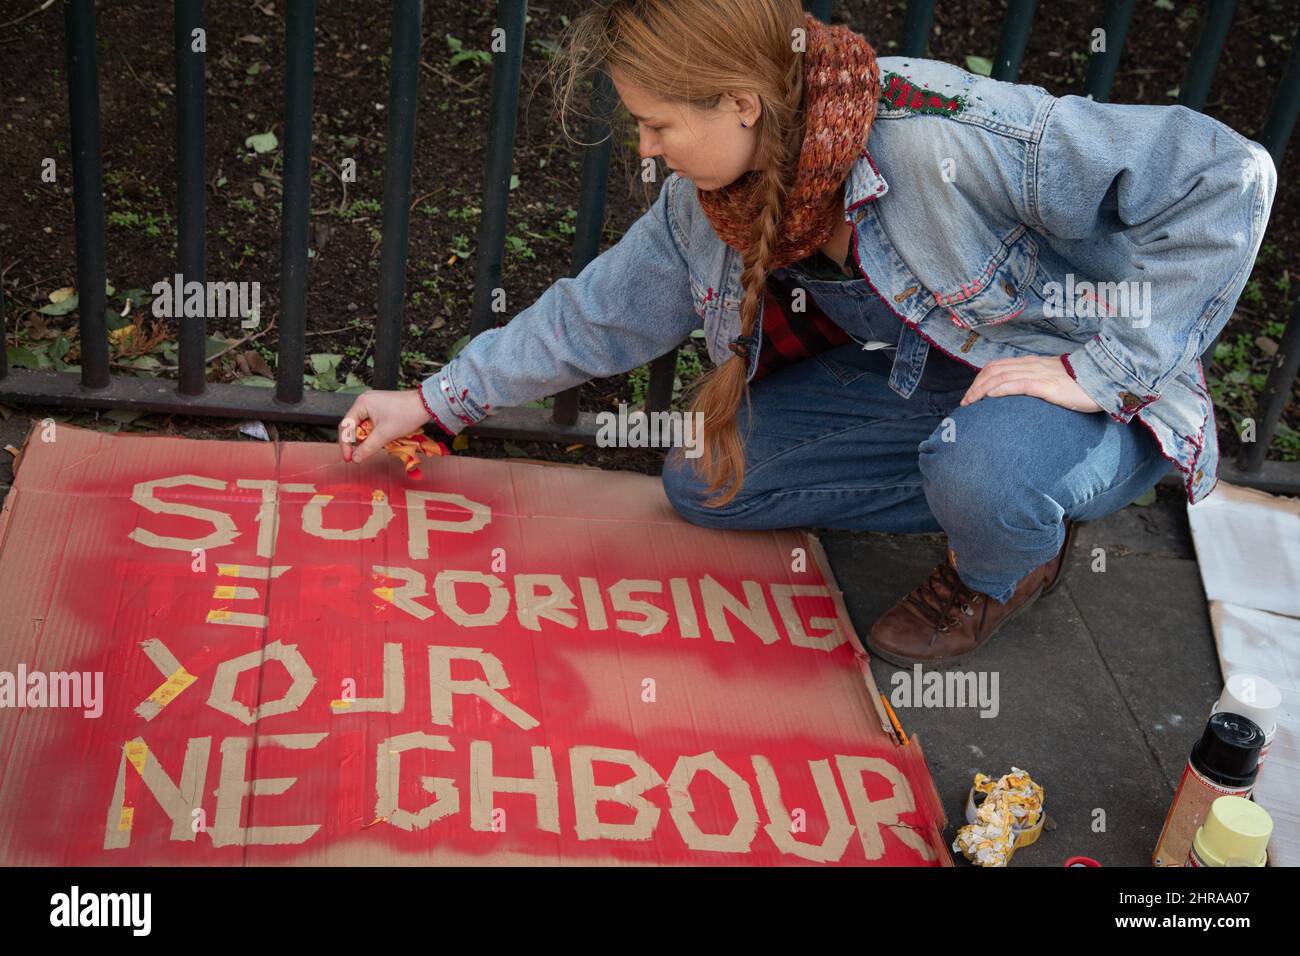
1024,835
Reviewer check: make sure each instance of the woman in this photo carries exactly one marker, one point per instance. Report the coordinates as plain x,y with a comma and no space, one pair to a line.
935,301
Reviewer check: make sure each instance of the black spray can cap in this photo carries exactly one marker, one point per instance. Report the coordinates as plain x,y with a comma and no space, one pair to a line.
1228,751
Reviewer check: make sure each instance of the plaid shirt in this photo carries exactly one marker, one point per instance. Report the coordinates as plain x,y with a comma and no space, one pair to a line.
788,335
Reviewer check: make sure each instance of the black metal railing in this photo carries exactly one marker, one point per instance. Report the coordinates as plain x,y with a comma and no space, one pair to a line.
192,394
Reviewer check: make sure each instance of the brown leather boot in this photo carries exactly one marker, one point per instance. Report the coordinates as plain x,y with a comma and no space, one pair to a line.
943,621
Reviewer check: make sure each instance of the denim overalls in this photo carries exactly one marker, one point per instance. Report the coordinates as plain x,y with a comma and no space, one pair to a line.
856,308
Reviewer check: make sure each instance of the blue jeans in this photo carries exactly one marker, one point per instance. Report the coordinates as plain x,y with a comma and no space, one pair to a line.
829,444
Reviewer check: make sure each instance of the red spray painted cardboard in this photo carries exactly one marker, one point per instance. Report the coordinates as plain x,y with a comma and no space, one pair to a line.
305,661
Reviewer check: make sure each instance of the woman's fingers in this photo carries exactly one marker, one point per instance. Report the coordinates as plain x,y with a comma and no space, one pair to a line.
357,414
1038,377
1021,385
990,375
382,418
373,443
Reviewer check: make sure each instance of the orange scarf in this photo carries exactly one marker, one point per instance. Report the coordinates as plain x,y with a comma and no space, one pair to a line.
841,86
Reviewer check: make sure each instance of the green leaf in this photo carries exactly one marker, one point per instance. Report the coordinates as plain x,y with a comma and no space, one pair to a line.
123,415
41,352
697,334
456,346
322,362
1147,497
979,64
22,358
143,362
60,347
257,381
114,319
262,142
514,182
212,345
60,308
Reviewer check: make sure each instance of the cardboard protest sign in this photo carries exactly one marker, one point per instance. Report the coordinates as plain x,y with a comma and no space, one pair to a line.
305,661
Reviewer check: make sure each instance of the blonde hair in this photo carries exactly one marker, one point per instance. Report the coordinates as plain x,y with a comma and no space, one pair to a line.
693,52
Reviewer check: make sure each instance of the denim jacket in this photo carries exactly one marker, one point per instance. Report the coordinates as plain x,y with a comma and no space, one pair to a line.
994,219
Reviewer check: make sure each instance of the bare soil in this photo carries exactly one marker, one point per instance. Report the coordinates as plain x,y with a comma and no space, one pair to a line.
244,98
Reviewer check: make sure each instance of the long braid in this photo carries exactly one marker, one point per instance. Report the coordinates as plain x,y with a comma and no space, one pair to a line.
721,392
817,101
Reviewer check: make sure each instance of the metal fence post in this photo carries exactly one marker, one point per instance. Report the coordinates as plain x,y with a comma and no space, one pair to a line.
4,332
591,206
820,9
506,65
190,198
299,29
917,23
88,190
1286,366
400,152
1205,57
1103,64
1013,39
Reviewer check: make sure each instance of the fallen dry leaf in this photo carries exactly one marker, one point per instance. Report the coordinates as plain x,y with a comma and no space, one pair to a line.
257,364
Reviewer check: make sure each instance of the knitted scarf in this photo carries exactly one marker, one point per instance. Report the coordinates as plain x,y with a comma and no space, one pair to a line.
841,86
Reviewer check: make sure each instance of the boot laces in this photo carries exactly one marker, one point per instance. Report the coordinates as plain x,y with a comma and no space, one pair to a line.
942,594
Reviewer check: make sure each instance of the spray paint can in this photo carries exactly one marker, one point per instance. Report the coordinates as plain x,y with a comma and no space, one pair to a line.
1255,697
1235,833
1222,763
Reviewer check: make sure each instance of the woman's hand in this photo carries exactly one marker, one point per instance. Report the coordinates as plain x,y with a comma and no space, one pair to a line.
1042,376
392,414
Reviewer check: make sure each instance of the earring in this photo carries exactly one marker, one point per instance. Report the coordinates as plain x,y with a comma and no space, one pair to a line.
744,124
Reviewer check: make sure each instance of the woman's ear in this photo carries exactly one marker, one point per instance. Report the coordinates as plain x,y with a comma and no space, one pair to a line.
748,107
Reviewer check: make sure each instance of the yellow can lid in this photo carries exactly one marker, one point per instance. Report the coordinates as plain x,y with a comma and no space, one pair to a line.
1235,829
